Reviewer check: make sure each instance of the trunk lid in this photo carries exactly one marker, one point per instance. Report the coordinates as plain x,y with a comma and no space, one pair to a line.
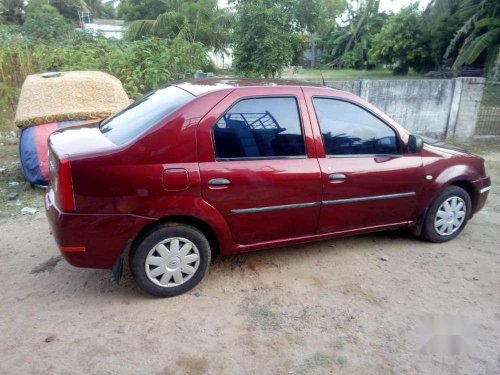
84,139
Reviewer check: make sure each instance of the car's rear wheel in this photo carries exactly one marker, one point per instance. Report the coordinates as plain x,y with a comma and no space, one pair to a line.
447,215
170,260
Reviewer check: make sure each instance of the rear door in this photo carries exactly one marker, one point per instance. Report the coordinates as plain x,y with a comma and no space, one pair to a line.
258,165
367,180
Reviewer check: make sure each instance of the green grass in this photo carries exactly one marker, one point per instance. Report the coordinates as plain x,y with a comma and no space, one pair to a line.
343,74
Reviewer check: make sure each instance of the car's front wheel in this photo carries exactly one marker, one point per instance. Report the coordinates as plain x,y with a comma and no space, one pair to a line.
170,260
447,215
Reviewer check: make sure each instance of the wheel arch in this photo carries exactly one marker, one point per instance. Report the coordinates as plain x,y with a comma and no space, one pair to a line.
205,228
469,188
197,223
459,181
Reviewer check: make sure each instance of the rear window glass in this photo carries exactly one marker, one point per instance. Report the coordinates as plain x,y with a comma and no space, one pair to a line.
144,113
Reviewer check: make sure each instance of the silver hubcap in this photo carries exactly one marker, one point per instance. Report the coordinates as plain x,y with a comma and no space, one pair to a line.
450,216
172,262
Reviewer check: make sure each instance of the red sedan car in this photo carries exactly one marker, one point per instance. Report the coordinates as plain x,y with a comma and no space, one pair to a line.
222,167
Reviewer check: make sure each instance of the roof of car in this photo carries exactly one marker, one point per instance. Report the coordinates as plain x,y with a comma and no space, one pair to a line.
202,86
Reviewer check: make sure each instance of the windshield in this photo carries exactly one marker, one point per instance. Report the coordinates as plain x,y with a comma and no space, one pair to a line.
144,113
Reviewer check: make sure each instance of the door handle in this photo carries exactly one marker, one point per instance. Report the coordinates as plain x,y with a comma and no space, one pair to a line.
337,176
219,182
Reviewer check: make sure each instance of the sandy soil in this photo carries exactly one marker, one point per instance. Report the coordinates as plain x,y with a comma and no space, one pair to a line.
333,307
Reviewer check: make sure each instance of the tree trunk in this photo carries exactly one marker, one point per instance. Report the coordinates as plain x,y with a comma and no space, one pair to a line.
313,53
361,21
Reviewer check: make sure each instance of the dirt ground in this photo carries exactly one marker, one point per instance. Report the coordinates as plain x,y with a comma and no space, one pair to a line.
347,306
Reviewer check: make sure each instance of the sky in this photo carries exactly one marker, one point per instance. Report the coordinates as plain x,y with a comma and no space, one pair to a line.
385,5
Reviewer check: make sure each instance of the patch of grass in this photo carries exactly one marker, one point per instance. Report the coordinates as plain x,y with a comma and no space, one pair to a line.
320,360
343,74
261,315
15,191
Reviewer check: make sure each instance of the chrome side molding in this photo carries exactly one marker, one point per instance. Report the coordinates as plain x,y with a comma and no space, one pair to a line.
371,198
326,203
274,208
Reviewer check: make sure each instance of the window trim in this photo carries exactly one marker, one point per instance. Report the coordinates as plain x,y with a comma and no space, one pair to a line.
277,96
399,152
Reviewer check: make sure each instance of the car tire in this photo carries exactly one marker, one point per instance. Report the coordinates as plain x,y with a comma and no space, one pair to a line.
447,215
170,260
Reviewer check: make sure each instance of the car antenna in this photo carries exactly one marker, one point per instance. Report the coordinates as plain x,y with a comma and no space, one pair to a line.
322,78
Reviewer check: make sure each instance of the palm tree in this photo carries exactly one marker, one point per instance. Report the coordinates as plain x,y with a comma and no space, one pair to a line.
350,44
479,34
196,21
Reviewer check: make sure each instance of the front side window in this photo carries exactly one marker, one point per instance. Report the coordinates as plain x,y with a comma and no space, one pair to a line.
348,129
260,128
144,113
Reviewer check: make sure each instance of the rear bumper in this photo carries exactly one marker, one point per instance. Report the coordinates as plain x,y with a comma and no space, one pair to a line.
482,188
91,240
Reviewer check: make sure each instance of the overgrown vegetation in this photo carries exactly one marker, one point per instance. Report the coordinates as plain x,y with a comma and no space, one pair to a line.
168,39
141,65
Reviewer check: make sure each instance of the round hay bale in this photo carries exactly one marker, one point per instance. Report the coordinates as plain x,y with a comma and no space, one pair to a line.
82,95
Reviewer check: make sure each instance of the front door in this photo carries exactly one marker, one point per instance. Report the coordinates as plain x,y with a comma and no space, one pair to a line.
257,168
368,182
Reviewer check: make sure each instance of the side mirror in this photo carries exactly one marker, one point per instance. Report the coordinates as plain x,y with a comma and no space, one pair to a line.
415,144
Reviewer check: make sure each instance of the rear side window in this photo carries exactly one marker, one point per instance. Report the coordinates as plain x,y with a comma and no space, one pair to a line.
348,129
260,128
144,113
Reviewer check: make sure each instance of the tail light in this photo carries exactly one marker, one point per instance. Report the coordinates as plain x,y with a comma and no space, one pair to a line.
61,181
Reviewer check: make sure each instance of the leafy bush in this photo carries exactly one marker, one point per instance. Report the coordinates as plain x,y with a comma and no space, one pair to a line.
146,64
45,27
40,6
401,43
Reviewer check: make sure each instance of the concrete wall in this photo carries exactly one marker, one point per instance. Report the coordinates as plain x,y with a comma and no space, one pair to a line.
433,107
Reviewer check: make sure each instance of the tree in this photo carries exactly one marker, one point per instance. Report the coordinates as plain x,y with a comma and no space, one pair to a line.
70,8
401,42
478,35
195,21
348,46
314,18
131,10
101,9
439,22
264,37
362,20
